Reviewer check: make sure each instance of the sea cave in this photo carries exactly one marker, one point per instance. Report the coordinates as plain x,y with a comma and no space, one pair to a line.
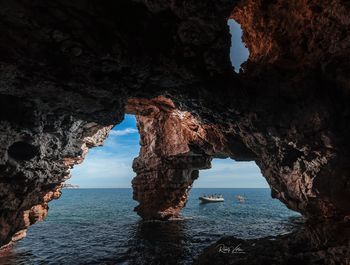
70,71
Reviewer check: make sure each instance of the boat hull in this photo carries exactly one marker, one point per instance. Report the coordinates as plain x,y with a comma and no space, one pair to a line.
208,200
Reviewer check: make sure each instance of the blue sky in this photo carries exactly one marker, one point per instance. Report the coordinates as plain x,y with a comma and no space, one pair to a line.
238,53
109,166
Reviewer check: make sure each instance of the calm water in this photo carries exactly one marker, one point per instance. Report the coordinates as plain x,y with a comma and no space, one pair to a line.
98,226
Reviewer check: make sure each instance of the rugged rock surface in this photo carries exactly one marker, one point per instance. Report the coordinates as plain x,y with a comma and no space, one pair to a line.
320,243
26,187
67,70
174,146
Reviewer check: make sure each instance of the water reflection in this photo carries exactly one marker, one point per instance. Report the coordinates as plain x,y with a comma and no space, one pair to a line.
11,257
158,242
6,257
155,242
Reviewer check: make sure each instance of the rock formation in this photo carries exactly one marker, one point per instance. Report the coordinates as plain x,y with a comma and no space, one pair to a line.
70,70
174,146
324,243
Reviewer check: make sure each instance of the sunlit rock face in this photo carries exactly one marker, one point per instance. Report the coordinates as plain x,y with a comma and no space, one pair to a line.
301,57
174,146
296,34
68,69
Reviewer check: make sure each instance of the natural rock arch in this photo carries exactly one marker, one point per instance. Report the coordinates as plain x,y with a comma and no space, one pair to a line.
174,146
68,70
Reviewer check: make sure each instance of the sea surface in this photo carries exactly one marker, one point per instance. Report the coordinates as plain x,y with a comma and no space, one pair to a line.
98,226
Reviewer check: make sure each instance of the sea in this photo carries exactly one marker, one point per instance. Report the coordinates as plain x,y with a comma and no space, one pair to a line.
99,226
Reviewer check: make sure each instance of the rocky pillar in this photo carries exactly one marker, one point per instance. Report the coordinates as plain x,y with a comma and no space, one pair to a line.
166,166
162,184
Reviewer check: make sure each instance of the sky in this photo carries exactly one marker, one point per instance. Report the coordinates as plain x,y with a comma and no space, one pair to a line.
109,166
238,52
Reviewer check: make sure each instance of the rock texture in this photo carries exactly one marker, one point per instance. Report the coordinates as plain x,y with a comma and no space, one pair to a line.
174,146
301,57
299,34
322,243
69,69
29,181
66,71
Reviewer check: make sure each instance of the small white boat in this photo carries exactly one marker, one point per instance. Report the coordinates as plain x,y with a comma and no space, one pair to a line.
240,198
211,198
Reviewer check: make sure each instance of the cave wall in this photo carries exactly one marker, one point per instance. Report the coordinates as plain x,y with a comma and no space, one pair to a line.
68,69
299,50
303,34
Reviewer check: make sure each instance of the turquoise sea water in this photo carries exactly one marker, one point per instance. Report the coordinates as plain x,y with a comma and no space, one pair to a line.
98,226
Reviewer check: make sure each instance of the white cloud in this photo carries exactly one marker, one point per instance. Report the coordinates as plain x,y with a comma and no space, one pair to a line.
103,172
112,167
125,131
231,174
106,166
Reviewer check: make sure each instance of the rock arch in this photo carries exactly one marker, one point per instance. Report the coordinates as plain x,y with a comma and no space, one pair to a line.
174,146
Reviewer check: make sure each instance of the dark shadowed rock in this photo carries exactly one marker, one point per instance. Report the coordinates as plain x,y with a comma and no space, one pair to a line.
320,243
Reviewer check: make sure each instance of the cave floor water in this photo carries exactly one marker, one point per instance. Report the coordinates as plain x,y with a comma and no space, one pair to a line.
98,226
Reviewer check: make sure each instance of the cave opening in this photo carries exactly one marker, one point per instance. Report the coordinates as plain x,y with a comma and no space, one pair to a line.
258,215
239,53
110,165
229,173
99,211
